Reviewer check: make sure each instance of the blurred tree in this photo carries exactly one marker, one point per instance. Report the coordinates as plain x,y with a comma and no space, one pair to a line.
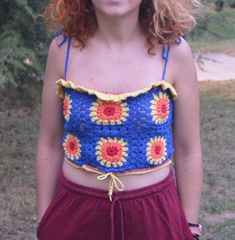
219,5
23,41
231,3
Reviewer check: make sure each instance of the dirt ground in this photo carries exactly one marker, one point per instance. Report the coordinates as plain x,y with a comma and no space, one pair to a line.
215,66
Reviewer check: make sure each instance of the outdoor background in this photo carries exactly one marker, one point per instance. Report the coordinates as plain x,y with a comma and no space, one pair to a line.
23,49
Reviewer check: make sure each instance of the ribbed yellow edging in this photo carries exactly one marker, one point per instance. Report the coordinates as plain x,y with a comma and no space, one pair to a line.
130,172
61,83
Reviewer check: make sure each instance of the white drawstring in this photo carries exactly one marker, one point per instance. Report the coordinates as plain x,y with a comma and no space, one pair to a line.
114,181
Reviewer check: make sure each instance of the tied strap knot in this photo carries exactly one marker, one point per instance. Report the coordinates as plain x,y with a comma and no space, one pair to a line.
114,181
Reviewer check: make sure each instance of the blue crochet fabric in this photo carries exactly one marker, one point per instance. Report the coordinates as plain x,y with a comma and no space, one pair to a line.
114,134
117,135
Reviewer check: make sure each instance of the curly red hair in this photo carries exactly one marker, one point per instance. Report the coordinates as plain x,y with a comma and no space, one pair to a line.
162,21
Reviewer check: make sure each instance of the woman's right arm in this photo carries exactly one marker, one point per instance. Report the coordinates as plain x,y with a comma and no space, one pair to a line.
49,157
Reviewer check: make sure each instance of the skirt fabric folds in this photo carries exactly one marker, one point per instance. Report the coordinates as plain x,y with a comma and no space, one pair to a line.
78,212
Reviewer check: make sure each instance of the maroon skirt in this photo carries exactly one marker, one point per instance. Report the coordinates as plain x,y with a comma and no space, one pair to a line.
78,212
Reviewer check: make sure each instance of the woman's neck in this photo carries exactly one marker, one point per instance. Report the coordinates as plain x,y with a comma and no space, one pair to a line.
118,32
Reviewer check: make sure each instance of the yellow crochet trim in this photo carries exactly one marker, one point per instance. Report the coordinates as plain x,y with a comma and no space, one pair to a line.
114,180
130,172
61,83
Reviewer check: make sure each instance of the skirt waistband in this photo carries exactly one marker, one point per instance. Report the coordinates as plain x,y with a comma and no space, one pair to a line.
126,194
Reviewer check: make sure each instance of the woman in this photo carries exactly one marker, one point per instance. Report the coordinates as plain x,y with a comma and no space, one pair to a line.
120,96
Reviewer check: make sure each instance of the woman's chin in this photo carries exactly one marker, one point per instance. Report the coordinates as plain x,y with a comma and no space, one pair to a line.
116,13
117,8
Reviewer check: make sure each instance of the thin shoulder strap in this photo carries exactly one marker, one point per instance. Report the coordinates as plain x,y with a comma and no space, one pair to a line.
178,40
65,37
165,56
67,57
56,34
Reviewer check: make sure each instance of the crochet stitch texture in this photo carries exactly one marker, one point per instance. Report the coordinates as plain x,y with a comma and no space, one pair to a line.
126,133
117,134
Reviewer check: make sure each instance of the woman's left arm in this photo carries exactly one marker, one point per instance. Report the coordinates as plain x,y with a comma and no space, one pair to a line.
186,131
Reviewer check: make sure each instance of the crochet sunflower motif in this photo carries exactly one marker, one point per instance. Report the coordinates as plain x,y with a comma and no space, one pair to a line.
111,151
72,147
67,105
160,108
156,150
107,112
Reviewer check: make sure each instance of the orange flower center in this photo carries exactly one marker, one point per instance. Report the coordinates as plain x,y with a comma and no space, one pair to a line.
66,106
72,146
163,108
111,151
157,149
109,111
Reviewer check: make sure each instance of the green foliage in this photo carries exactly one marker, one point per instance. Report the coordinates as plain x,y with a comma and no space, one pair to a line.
23,42
215,26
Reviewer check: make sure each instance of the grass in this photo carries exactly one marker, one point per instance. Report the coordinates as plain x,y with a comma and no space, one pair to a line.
217,136
225,46
220,33
19,129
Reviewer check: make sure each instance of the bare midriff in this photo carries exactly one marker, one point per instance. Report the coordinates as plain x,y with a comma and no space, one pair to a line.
131,181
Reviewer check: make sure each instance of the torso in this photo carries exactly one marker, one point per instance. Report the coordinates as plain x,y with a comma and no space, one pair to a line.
98,69
130,182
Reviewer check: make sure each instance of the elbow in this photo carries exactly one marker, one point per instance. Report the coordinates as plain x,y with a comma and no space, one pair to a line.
188,149
50,141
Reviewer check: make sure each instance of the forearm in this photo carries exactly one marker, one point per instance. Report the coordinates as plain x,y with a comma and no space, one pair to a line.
48,165
189,178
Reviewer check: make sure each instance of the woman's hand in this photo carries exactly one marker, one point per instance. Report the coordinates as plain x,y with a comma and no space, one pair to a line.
37,224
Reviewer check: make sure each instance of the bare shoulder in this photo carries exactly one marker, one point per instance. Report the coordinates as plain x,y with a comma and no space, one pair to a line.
56,55
181,50
57,43
183,64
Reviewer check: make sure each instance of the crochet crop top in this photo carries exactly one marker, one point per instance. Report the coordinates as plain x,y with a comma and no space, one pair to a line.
113,134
